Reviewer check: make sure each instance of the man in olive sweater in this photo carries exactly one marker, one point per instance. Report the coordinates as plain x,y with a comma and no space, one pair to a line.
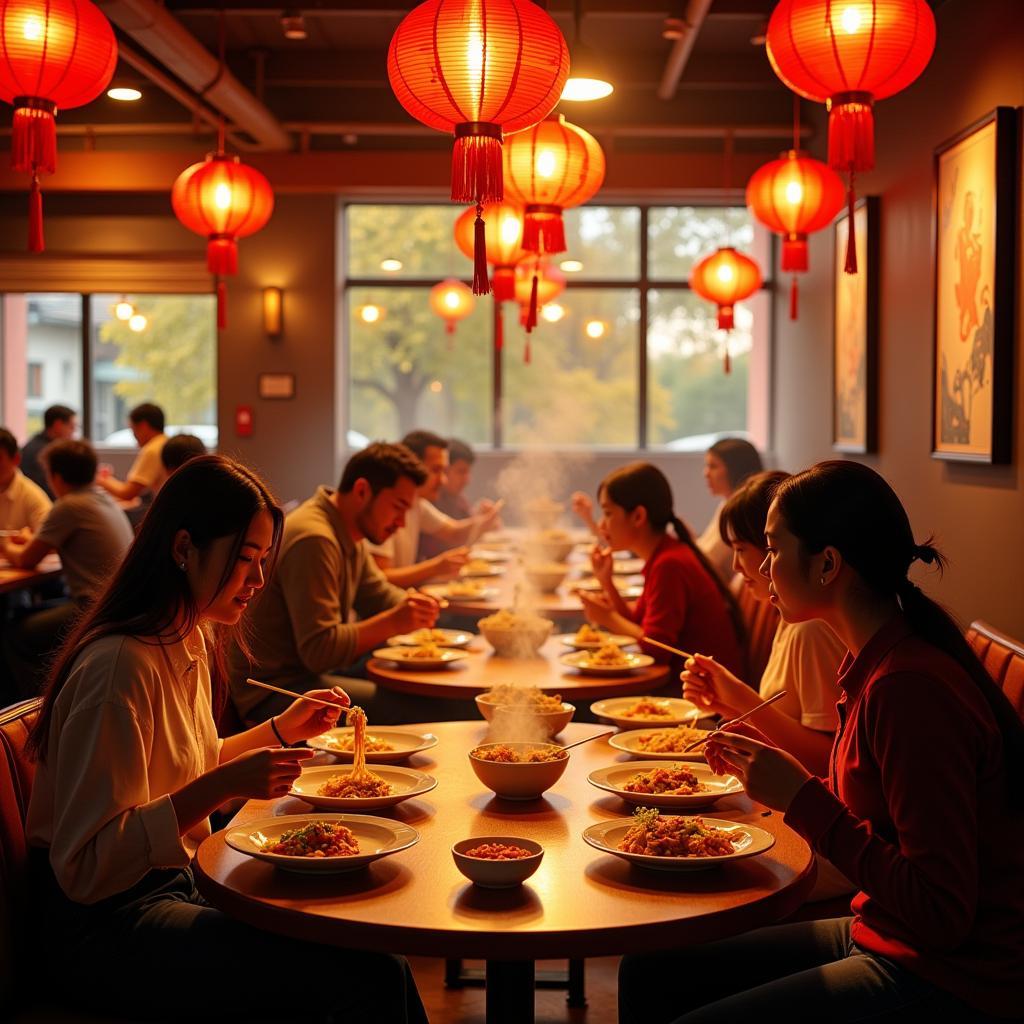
302,624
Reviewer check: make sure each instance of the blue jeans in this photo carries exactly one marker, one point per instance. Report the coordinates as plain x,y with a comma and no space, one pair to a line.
808,971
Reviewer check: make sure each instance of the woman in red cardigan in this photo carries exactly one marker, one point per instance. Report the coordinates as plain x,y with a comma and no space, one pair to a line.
922,809
684,603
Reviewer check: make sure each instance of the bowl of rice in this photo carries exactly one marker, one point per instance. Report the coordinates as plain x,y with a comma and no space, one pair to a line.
515,634
546,577
517,709
549,545
518,771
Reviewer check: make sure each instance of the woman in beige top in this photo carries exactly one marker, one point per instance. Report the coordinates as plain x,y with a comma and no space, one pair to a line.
129,768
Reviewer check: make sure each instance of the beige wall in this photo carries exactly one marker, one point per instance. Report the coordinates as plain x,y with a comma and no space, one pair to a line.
976,512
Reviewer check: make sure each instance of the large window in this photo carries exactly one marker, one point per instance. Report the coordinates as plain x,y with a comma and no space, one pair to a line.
77,350
627,356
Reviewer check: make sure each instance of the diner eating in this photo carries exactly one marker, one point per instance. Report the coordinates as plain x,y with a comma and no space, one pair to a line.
511,511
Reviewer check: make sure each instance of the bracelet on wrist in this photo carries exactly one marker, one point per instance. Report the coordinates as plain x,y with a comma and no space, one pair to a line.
277,733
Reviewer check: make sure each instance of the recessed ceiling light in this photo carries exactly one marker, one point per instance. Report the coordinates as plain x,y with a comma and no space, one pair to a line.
124,93
293,25
391,265
571,266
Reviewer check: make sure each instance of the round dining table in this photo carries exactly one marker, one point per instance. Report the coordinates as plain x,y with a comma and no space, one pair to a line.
579,903
484,669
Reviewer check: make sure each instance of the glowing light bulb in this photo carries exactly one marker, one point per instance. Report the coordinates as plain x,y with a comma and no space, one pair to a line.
571,266
137,322
222,196
794,193
546,163
436,386
552,312
725,273
451,300
511,228
370,314
586,89
124,310
390,265
595,329
850,20
124,93
32,30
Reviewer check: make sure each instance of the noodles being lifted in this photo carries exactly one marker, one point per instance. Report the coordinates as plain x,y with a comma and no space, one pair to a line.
360,782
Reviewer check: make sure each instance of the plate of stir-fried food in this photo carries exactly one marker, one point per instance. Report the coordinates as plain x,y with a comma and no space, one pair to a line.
425,656
608,659
386,745
661,744
320,843
643,712
438,637
480,568
333,787
589,638
462,590
669,785
667,842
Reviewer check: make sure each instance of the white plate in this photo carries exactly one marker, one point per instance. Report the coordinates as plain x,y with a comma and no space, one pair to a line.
580,660
405,784
628,586
378,837
752,841
472,574
681,712
488,554
614,777
403,656
405,743
444,590
452,638
569,639
629,743
621,567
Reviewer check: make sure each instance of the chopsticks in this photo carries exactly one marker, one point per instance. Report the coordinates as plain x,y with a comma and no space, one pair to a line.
301,696
665,647
726,726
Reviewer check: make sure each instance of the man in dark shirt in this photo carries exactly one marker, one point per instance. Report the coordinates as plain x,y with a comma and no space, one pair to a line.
59,423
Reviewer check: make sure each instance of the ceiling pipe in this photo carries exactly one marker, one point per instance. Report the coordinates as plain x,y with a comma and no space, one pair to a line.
164,37
692,19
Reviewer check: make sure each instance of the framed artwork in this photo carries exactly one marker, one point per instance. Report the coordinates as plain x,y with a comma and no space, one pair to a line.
855,333
974,241
276,385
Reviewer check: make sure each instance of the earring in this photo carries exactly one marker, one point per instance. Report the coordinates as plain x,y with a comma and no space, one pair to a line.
182,567
822,579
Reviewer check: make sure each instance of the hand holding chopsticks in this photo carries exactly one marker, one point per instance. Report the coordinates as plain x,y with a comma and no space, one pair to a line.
726,726
298,696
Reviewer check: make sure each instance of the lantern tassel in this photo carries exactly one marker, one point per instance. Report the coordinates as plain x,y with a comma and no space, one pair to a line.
503,284
499,331
222,305
851,237
481,285
531,316
476,164
449,331
851,132
34,137
728,359
794,299
543,229
221,255
794,253
36,242
527,354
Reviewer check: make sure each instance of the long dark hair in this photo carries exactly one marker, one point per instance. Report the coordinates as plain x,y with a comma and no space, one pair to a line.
642,485
741,459
149,597
746,510
850,507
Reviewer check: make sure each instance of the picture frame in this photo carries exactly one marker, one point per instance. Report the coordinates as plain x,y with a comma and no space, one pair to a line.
855,317
974,230
276,385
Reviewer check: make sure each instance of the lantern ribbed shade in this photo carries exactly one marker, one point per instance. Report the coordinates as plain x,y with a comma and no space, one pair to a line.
504,245
725,278
500,62
222,196
821,48
794,196
549,167
63,51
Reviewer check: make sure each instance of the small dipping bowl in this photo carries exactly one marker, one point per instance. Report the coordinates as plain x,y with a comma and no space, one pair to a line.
497,874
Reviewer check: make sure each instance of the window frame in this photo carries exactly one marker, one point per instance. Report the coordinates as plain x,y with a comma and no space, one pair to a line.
644,283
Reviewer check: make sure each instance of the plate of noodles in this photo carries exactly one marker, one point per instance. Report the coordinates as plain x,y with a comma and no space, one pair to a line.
426,656
438,637
661,744
334,787
481,568
386,745
321,843
462,590
608,659
587,638
668,785
640,712
665,842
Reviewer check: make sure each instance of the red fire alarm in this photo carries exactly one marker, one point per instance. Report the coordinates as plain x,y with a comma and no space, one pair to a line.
243,420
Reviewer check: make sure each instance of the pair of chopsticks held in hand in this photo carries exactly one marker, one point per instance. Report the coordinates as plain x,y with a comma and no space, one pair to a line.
723,726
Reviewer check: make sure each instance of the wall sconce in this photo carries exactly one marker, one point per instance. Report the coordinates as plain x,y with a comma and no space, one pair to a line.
273,311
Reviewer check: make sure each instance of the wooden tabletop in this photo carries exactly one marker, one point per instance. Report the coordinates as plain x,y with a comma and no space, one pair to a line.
579,903
483,669
18,579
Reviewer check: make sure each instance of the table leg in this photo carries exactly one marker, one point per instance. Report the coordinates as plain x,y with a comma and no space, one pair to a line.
510,992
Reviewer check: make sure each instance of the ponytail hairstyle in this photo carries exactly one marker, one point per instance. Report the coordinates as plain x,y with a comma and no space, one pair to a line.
148,596
741,459
745,511
850,507
641,484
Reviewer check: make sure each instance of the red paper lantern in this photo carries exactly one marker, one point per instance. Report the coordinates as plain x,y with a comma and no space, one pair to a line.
53,54
725,278
224,200
452,301
536,284
479,69
550,167
794,196
504,243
